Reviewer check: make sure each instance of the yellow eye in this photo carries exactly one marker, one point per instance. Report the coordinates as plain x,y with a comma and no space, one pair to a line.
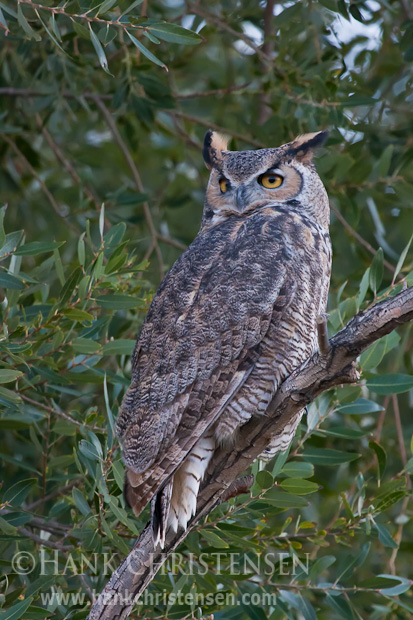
270,181
224,185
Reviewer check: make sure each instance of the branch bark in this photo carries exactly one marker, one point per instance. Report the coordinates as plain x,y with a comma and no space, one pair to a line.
322,371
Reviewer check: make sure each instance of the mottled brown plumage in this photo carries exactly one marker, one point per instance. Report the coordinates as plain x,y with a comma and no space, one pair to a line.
233,317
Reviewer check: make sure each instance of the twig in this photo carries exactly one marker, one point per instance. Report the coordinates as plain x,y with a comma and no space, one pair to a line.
318,374
400,435
43,542
221,24
136,176
67,165
61,414
57,493
215,127
42,184
359,238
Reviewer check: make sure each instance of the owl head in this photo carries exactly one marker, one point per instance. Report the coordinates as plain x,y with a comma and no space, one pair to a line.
241,182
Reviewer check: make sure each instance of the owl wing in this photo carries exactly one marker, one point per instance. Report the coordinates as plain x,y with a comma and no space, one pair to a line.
197,346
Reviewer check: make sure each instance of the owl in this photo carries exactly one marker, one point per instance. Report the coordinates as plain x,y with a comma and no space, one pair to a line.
235,315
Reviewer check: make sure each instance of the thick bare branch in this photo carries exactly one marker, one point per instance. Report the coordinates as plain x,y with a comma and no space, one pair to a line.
319,373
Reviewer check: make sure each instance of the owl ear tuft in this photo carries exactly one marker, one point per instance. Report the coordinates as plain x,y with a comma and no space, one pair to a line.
304,146
214,144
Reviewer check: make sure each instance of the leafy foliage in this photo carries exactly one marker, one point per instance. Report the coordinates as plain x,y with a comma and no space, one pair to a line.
103,178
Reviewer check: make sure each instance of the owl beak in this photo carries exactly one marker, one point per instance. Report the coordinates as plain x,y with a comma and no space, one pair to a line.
240,197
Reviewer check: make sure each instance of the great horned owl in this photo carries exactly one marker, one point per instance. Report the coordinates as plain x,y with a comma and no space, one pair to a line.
234,316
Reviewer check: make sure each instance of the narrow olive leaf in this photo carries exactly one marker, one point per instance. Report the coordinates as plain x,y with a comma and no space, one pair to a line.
102,220
16,611
25,25
17,493
51,35
381,457
37,247
385,160
390,384
402,258
106,6
376,271
81,253
3,22
119,347
7,376
299,486
364,285
74,314
54,27
385,537
59,266
361,406
2,232
401,587
214,540
264,479
320,456
11,282
174,33
131,6
80,29
99,51
80,501
146,52
293,469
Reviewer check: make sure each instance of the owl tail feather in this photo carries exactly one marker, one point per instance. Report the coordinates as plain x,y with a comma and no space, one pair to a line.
160,506
174,504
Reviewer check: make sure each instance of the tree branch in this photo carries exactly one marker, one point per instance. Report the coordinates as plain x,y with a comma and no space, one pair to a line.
319,373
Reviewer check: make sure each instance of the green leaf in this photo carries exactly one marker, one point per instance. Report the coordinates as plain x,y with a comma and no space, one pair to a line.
376,583
11,282
16,494
282,499
59,267
80,501
145,51
7,375
37,247
9,396
385,537
299,486
117,302
119,347
214,540
376,271
372,357
264,479
390,384
85,346
361,406
402,258
25,25
381,457
78,315
2,214
132,6
384,162
3,22
174,33
294,469
321,456
106,6
99,51
16,611
403,586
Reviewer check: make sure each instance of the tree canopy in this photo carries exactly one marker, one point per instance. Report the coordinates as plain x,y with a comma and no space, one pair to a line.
103,107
